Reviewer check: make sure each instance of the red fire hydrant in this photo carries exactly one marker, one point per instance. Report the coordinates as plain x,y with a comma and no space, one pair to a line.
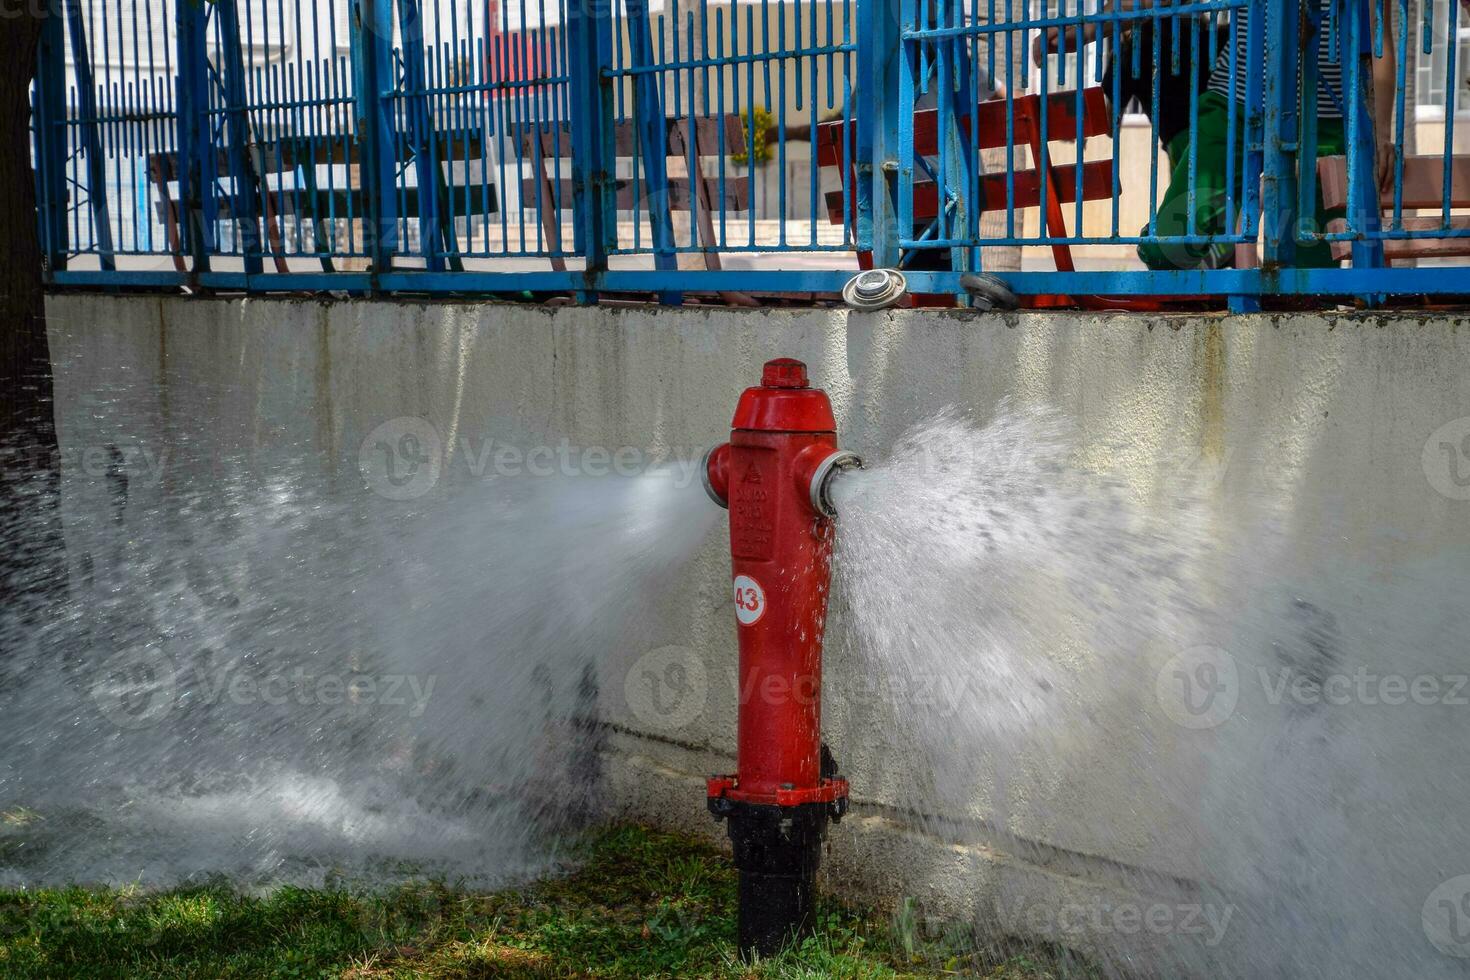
775,475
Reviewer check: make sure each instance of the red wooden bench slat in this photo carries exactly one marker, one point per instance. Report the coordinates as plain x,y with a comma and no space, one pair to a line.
1097,184
1423,182
829,143
1061,120
736,198
1423,187
557,140
278,155
1061,124
1411,248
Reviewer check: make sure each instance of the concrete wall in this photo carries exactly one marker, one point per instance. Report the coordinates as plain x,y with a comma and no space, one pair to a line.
1328,418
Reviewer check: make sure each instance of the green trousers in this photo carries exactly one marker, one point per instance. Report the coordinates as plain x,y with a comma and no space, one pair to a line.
1210,218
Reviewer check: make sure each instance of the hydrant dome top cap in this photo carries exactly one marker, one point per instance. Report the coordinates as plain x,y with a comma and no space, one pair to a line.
784,401
784,372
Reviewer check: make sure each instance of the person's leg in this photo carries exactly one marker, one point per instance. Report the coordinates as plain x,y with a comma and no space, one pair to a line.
1211,144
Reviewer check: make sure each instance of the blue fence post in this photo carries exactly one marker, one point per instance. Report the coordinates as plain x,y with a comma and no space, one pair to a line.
87,125
594,202
879,153
653,141
959,162
420,134
1355,54
244,202
49,112
1269,164
372,72
1279,141
196,154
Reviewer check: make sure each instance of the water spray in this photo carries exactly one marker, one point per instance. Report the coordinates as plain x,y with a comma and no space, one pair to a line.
775,476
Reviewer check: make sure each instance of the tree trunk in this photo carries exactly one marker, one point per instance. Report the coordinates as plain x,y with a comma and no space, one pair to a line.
32,561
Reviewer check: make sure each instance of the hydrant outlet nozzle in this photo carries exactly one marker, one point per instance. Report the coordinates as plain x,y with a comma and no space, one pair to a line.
714,472
825,475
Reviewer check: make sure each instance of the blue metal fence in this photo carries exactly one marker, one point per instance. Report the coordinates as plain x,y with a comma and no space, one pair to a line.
1082,150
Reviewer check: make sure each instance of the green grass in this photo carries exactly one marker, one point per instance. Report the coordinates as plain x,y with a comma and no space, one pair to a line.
641,904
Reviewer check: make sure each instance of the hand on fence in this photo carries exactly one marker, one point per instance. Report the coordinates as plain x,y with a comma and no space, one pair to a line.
1046,41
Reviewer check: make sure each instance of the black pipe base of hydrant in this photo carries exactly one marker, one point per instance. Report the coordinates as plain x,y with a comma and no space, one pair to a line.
775,910
777,851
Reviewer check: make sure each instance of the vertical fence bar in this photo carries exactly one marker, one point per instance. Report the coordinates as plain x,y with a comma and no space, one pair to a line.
958,123
87,123
420,131
1356,57
1267,174
1266,92
652,140
594,215
49,112
244,202
192,98
1271,138
1311,71
879,155
913,83
372,70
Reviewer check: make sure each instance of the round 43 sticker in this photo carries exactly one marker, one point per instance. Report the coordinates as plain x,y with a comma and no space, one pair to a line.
750,600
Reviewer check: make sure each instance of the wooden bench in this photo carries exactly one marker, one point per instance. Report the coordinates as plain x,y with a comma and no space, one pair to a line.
1423,188
545,147
1062,186
292,164
289,181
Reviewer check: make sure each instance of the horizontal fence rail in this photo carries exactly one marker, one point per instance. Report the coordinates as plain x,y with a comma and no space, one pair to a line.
1104,153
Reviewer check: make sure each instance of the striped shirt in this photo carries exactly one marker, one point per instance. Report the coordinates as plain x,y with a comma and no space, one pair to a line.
1329,72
